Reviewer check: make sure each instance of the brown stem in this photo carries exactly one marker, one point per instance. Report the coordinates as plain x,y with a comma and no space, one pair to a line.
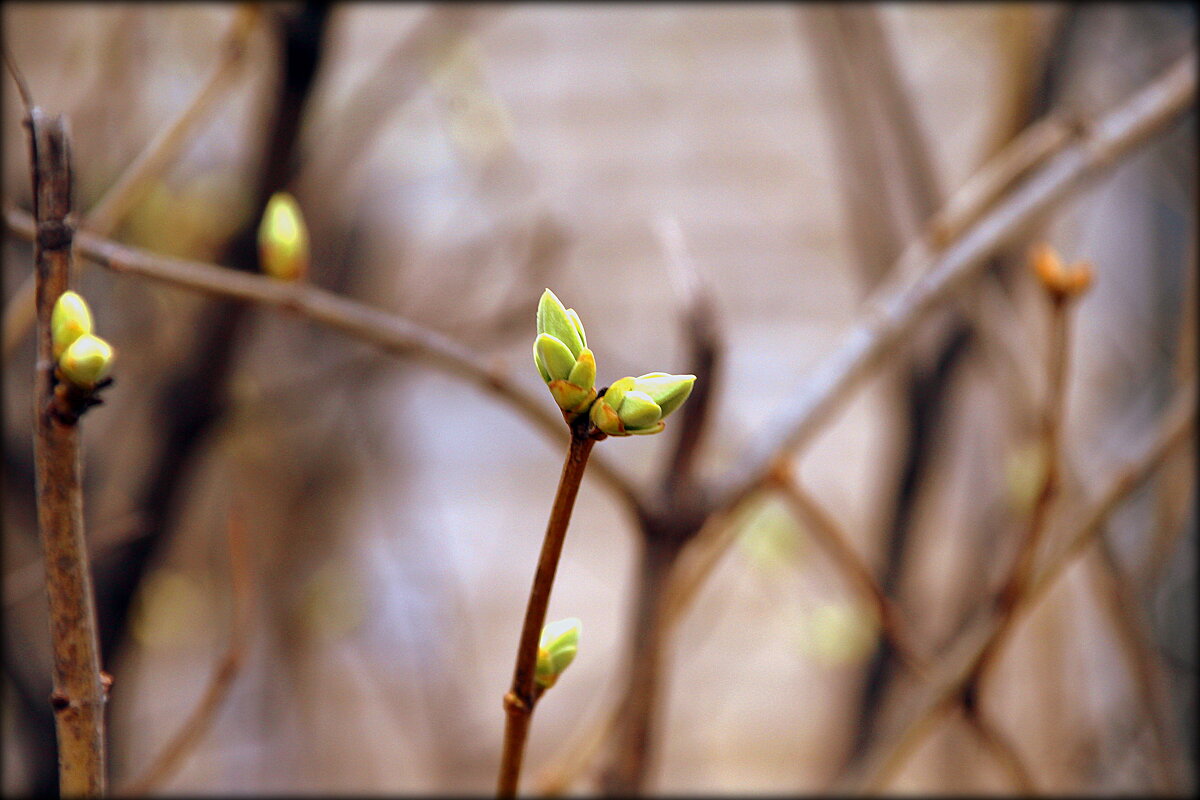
198,723
631,757
523,695
79,692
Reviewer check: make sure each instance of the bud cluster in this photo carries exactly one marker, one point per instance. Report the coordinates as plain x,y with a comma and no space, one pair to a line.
1061,281
84,359
627,407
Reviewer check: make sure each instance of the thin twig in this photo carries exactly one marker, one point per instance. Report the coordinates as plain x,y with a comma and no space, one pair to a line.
390,332
1177,425
79,690
131,186
198,723
1092,151
523,695
704,357
829,535
1002,749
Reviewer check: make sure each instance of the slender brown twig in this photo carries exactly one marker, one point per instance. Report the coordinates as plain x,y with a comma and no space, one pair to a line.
829,535
977,642
79,687
1093,150
131,186
197,724
523,695
390,332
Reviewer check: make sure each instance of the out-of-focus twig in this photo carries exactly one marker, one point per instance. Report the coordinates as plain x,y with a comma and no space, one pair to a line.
198,723
830,536
388,331
947,692
699,321
131,186
1091,151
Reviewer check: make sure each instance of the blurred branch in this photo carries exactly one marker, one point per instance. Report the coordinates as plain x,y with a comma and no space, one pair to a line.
1094,149
198,723
390,332
79,690
131,186
830,536
974,645
704,355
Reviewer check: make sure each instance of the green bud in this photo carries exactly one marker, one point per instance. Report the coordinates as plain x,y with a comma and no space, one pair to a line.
561,355
561,323
87,361
556,650
553,357
637,406
69,320
283,239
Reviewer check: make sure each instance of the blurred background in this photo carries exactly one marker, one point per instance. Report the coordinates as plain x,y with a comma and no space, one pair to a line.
451,162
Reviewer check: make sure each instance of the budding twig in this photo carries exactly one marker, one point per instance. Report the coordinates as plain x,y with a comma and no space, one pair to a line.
79,689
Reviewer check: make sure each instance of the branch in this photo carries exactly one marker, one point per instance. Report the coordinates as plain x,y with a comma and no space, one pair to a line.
171,757
521,698
972,647
131,186
79,691
1093,150
390,332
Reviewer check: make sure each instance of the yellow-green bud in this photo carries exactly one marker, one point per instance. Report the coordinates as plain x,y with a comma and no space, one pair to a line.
87,361
69,320
283,239
637,406
562,357
556,650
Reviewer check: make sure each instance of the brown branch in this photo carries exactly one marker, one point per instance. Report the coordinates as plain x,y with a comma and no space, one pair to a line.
1093,150
523,695
131,186
704,356
976,643
79,691
390,332
1002,749
1049,436
198,723
829,535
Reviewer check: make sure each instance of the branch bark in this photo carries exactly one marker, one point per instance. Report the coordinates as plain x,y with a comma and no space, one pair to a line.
1094,149
79,691
524,693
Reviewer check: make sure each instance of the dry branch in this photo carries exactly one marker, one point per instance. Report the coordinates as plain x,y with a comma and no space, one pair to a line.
390,332
197,724
79,690
1093,150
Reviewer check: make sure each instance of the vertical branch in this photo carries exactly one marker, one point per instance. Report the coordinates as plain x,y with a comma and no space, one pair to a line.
524,692
704,356
79,692
633,754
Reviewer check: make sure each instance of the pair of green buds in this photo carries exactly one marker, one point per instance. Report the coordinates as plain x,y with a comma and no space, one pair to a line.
556,650
629,406
84,359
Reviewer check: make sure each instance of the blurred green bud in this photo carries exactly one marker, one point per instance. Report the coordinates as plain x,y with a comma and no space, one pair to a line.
556,650
69,320
283,239
561,355
638,405
87,361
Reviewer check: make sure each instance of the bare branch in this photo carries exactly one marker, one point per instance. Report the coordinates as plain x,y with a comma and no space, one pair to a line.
172,756
390,332
79,690
1093,150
